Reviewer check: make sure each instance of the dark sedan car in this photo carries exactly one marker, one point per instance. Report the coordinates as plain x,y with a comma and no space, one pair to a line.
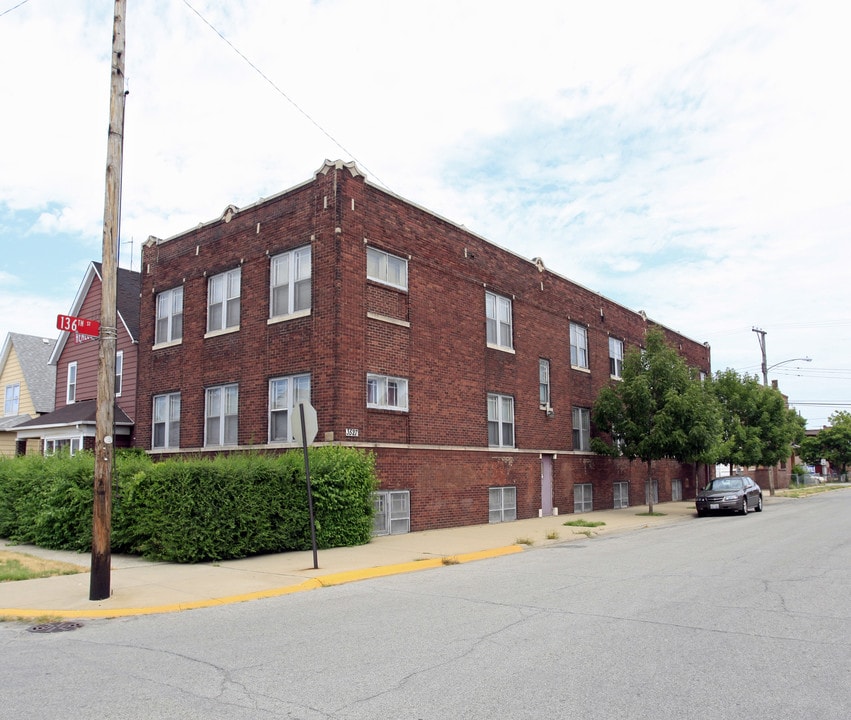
736,493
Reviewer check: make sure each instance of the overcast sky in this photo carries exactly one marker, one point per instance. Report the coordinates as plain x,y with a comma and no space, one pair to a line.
688,159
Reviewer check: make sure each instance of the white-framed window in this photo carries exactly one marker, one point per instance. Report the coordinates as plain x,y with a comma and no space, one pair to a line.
621,494
386,393
500,420
290,282
285,394
169,325
13,399
544,382
581,428
583,498
676,490
502,504
392,514
119,372
223,293
55,445
578,345
166,421
221,415
615,357
499,323
71,387
386,268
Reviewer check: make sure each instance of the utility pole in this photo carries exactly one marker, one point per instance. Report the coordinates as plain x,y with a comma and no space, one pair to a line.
761,336
99,588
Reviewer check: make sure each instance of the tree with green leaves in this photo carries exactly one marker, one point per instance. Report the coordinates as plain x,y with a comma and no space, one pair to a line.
656,411
833,443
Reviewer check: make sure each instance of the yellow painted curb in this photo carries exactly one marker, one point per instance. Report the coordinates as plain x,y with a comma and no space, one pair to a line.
310,584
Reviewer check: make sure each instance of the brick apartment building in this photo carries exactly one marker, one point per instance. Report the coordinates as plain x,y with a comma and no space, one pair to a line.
467,370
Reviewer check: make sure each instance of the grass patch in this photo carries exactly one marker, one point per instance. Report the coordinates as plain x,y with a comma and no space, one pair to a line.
552,535
450,561
524,541
20,566
582,522
807,490
651,514
40,620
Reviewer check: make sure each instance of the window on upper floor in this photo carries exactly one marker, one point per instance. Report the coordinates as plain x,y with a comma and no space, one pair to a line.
500,420
386,268
169,326
578,345
581,428
615,357
223,293
290,283
71,386
285,394
166,421
13,399
221,415
119,372
499,323
544,382
384,392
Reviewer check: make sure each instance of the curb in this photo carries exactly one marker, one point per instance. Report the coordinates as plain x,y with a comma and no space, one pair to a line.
331,580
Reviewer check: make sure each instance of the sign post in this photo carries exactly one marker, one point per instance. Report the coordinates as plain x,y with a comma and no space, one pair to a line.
305,427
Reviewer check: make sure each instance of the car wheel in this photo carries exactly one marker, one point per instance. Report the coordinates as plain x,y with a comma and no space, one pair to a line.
759,504
745,505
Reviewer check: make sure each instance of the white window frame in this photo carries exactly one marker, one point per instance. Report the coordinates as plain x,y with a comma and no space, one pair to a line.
13,400
579,346
502,504
544,383
168,327
387,269
581,428
500,420
221,416
392,512
71,384
615,357
166,414
500,324
285,393
223,301
385,392
119,372
620,493
583,497
52,445
291,283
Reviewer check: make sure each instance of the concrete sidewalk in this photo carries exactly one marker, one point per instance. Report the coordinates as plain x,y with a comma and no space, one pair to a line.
141,587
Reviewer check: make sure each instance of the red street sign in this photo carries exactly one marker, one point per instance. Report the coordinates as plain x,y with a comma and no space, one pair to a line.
69,323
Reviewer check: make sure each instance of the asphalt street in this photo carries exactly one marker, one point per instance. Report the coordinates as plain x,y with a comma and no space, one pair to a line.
721,617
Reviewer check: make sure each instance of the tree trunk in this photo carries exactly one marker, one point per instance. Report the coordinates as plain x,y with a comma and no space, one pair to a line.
648,487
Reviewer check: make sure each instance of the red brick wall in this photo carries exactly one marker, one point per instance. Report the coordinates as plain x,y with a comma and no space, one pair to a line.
440,446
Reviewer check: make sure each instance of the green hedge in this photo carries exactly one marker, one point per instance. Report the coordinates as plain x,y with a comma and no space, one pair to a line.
193,510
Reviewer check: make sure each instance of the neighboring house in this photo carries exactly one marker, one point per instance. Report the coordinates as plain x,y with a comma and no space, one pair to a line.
469,371
75,359
28,382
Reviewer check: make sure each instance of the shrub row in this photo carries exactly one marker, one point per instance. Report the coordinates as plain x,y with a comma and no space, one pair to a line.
192,510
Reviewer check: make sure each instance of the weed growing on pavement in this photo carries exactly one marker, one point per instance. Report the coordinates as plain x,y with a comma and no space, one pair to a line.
582,522
524,541
450,561
552,535
651,514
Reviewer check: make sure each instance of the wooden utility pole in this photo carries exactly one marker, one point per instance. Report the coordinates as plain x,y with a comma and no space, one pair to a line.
99,588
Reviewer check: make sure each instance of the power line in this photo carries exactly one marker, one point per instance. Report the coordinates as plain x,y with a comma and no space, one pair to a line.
283,94
6,12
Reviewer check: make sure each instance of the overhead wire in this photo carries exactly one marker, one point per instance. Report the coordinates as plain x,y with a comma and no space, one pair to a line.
14,7
283,94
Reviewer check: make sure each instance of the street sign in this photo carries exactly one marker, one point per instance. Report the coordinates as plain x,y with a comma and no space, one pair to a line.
311,424
79,325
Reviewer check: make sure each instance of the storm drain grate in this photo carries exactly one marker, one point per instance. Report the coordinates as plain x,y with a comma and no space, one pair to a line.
54,627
